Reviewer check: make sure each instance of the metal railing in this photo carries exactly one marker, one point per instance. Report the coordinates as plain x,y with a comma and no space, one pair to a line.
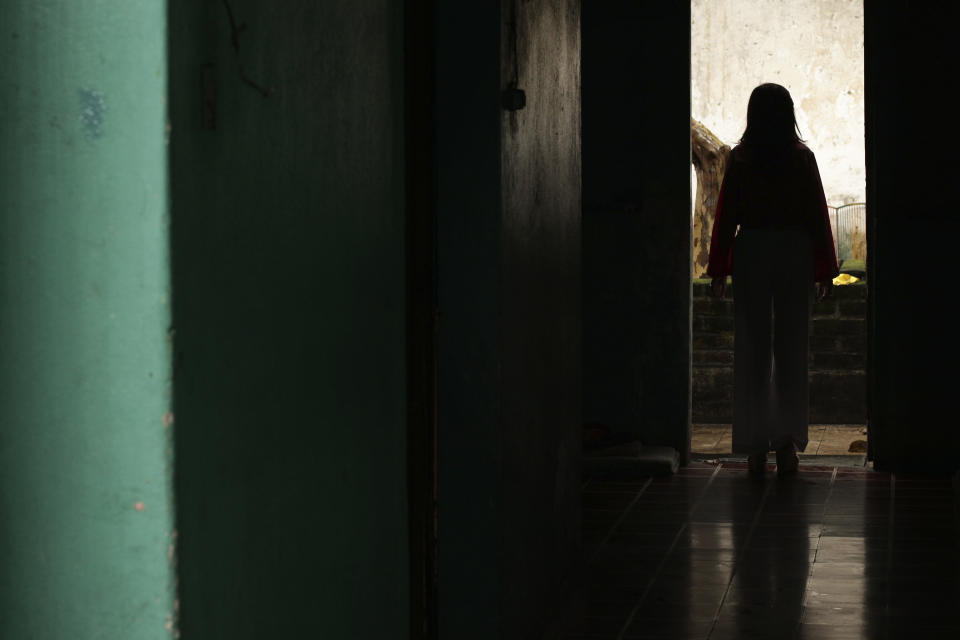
849,225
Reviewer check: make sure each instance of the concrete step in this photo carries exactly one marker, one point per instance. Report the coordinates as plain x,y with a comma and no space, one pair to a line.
833,360
712,383
838,326
826,309
857,291
836,396
709,323
706,376
853,303
837,363
818,360
712,323
630,460
712,306
821,344
713,357
708,341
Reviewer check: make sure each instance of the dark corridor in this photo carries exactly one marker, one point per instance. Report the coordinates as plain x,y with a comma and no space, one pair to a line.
833,553
315,361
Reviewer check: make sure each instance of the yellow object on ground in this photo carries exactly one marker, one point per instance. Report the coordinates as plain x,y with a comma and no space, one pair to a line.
845,278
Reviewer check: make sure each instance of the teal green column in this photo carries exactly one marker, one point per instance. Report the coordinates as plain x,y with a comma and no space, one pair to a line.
87,544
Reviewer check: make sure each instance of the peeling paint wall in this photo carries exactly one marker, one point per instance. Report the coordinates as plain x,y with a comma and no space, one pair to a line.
812,47
85,434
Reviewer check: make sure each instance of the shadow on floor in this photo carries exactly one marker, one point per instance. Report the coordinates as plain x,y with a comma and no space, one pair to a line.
833,552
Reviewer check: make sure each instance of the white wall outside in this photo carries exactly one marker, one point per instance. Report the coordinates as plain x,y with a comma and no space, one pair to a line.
812,47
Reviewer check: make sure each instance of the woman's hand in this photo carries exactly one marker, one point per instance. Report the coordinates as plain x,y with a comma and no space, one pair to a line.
719,286
823,289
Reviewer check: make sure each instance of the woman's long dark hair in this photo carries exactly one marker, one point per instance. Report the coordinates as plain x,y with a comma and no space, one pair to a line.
771,121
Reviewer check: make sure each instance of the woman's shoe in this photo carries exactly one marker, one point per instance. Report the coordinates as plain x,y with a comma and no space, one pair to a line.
787,460
757,463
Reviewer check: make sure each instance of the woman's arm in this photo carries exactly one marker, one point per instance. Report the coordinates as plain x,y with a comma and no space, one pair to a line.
824,253
720,263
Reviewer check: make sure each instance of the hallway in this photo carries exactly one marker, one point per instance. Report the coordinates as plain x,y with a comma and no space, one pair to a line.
834,553
304,307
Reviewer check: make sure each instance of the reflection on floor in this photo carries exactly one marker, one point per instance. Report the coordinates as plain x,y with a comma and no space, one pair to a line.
830,553
824,439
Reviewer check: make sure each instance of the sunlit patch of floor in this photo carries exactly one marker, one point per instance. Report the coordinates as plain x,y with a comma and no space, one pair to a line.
824,439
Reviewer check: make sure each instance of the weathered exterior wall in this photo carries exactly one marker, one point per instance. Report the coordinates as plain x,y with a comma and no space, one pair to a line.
86,525
288,279
812,47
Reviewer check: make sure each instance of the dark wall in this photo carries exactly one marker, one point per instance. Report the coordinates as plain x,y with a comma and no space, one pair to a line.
509,330
288,322
913,345
468,368
540,309
636,218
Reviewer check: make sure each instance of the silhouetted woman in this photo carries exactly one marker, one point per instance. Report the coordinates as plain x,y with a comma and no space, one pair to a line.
772,191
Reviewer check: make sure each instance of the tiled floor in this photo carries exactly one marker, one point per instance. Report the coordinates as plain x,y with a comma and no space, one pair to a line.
824,439
830,553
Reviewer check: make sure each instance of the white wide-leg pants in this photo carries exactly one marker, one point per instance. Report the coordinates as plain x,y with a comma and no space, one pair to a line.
773,293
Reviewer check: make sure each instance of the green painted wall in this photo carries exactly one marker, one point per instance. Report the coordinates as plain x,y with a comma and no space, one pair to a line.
85,509
288,279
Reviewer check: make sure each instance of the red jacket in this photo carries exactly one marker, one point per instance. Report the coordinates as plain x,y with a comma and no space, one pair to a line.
785,192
